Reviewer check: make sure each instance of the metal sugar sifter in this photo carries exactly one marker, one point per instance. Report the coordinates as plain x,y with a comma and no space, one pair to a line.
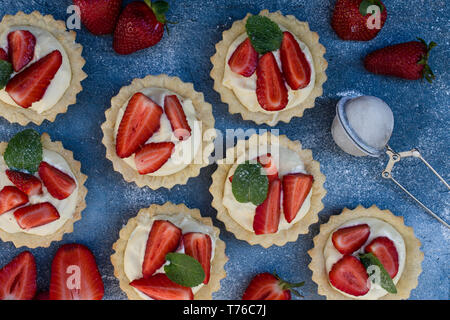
363,126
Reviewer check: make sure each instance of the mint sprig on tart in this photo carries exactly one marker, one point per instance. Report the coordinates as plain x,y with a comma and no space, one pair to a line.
24,151
184,270
249,185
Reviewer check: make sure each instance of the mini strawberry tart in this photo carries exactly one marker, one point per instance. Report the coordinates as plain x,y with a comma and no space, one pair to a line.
269,68
169,252
42,190
159,132
268,190
366,254
40,68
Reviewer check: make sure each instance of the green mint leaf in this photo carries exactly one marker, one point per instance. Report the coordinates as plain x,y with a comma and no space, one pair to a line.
264,34
249,185
6,70
159,8
386,282
24,151
364,5
184,270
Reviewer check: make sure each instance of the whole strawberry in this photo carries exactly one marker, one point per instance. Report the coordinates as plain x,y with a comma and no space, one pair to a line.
99,16
354,20
407,60
140,25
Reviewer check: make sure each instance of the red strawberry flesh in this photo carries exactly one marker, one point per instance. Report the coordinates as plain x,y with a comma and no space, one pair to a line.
59,184
267,214
349,239
21,45
36,215
160,287
18,278
384,249
244,59
296,187
295,66
25,182
198,245
350,276
153,156
99,16
177,117
3,55
11,198
265,286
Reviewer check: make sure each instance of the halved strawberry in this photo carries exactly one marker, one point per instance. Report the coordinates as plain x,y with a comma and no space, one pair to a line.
3,55
11,198
384,249
350,276
164,237
160,287
266,286
177,117
269,165
267,215
296,187
140,121
36,215
153,156
25,182
244,59
18,278
75,275
198,245
271,90
21,45
30,85
349,239
296,69
59,184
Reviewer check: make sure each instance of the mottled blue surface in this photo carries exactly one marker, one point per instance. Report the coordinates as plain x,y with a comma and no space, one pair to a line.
421,120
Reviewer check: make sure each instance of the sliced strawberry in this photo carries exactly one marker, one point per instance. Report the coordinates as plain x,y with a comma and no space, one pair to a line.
11,198
230,178
198,245
267,215
30,85
59,184
244,59
349,239
3,55
266,286
350,276
75,275
140,121
271,90
18,278
153,156
164,237
160,287
269,165
177,117
21,45
25,182
384,249
296,69
36,215
296,187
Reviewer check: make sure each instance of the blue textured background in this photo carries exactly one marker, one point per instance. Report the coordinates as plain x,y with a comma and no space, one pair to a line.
421,114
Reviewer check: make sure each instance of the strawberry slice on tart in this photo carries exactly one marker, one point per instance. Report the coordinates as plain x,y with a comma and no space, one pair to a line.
21,44
267,162
4,55
152,156
164,237
266,286
296,187
59,184
244,59
30,85
36,215
267,214
11,198
199,246
349,239
18,278
350,276
384,249
175,113
296,69
271,90
160,287
25,182
139,122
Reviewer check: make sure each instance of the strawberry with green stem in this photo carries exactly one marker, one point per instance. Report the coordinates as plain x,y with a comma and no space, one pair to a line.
266,286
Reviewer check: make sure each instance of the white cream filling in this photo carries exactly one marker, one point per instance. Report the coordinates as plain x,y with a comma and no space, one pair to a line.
287,161
245,88
378,228
45,43
184,151
137,243
65,207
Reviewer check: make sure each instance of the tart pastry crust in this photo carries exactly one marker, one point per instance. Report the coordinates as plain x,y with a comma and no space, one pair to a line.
32,240
203,113
66,38
217,264
301,31
414,257
283,236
